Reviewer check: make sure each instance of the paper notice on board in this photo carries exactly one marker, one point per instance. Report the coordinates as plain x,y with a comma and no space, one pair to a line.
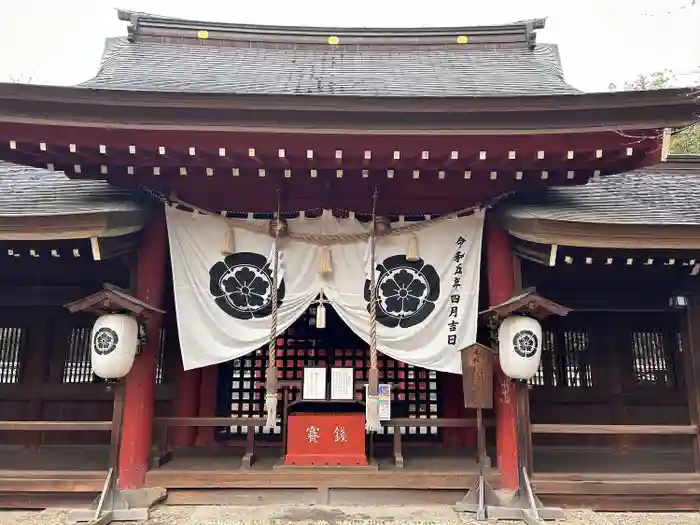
384,402
342,383
314,385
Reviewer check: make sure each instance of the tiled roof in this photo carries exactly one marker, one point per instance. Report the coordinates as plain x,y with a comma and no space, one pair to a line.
27,192
166,56
666,194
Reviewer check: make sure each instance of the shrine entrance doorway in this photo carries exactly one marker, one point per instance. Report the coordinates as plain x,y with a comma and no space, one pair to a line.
415,394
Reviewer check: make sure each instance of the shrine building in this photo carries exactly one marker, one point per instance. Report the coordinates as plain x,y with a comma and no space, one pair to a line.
312,224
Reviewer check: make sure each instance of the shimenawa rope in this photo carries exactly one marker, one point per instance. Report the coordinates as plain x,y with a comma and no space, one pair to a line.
372,423
271,372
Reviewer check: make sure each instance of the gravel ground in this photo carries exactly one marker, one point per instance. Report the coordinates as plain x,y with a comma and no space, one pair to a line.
307,514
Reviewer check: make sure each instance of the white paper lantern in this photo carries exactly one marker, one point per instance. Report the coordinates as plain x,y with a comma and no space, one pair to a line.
113,345
520,346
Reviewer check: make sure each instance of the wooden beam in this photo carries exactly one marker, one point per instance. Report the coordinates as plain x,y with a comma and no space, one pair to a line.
637,430
690,341
95,247
56,426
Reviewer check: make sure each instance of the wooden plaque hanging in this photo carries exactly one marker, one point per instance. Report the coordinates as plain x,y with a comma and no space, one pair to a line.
477,376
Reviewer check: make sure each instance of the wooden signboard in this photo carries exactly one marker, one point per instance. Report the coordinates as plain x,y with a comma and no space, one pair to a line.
477,376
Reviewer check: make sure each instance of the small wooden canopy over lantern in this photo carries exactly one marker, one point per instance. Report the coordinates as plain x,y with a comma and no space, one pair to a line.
477,376
528,303
520,333
110,300
118,332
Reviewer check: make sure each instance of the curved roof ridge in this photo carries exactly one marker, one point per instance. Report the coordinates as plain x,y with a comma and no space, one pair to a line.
138,19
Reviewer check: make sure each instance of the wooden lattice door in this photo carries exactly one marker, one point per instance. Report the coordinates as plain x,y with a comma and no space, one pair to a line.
241,381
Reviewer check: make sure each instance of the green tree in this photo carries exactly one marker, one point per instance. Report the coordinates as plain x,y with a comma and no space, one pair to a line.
684,141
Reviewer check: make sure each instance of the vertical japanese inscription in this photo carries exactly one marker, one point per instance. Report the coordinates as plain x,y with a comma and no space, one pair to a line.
477,376
455,297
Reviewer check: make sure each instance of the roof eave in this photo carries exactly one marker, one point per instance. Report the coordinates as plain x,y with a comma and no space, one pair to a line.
622,99
603,235
624,110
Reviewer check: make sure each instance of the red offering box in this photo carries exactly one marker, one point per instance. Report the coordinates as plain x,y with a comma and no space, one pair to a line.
326,440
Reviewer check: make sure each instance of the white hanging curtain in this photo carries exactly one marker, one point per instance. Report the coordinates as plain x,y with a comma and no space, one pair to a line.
427,309
223,303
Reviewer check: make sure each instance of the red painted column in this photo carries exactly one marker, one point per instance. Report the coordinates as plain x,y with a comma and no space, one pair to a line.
186,405
139,400
207,404
501,276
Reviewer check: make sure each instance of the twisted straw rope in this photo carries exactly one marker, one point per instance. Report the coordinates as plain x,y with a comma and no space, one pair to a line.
346,238
373,289
272,345
335,238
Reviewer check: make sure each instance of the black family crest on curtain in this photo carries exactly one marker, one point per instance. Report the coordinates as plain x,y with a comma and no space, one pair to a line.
406,291
241,285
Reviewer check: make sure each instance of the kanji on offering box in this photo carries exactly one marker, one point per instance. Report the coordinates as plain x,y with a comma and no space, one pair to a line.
333,440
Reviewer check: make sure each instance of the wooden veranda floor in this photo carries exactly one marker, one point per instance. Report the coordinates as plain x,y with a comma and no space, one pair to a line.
57,476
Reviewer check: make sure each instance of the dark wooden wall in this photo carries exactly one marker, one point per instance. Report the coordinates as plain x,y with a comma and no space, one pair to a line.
617,358
46,375
45,371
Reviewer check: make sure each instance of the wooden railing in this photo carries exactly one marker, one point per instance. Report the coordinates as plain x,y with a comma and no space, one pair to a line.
397,423
161,424
70,426
56,426
621,430
640,430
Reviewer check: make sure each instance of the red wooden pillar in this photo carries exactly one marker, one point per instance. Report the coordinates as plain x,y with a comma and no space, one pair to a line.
501,276
186,405
139,400
207,403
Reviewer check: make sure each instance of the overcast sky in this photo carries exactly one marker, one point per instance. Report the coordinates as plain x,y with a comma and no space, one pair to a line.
601,41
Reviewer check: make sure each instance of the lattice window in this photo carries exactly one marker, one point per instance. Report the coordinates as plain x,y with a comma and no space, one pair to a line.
565,358
545,375
77,367
653,360
242,392
575,366
11,347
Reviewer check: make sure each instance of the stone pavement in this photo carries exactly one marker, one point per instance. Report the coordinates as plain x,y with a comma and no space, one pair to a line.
334,515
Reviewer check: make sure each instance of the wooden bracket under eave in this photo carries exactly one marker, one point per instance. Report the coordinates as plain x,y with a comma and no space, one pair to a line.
528,303
110,300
